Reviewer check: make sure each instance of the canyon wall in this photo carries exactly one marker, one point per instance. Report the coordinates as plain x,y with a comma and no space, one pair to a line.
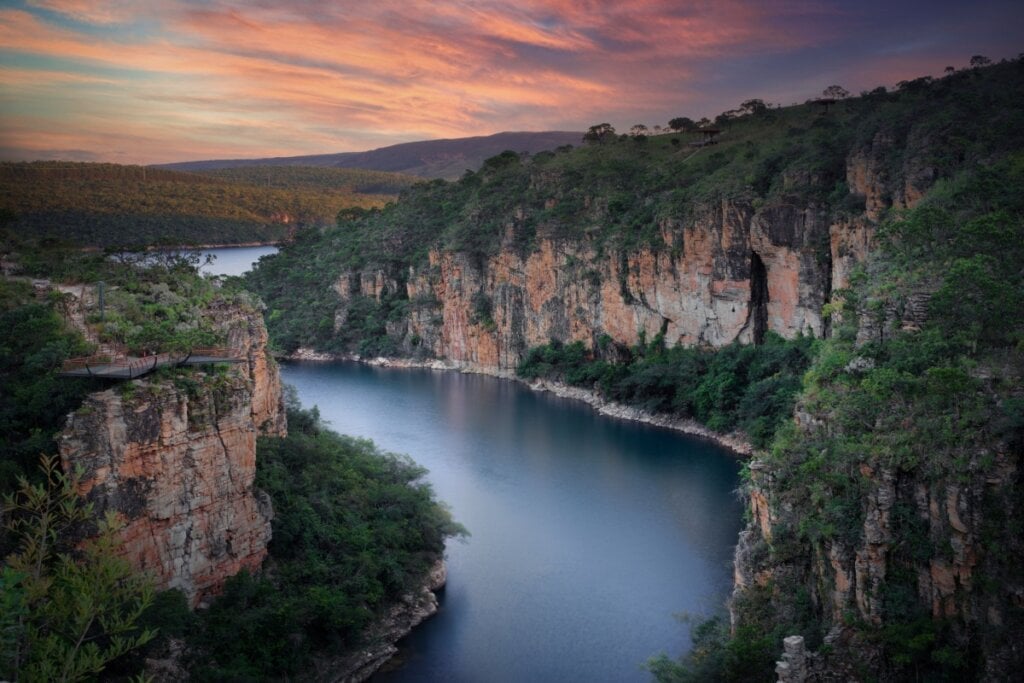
937,545
177,459
731,271
734,274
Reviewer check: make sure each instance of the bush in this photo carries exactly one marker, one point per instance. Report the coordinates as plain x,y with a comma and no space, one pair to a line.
752,388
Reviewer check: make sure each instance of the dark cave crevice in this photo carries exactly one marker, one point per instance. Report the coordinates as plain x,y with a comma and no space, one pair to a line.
758,297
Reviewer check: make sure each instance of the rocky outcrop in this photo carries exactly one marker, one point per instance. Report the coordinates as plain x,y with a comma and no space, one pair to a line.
246,335
793,667
870,172
177,459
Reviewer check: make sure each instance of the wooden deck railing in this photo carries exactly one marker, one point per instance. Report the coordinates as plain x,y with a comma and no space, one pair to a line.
86,361
130,366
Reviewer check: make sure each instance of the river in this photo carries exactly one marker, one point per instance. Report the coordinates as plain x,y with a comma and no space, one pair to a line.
234,260
588,533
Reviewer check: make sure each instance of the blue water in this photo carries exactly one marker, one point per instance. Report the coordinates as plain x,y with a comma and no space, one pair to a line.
234,260
588,533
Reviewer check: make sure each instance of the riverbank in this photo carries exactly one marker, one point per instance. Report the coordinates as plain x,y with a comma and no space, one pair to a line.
216,246
735,442
383,636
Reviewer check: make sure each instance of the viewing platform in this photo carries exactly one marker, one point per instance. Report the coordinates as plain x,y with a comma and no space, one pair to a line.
130,367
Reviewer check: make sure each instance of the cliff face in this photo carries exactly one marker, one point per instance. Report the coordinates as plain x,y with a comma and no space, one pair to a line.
921,545
177,459
733,274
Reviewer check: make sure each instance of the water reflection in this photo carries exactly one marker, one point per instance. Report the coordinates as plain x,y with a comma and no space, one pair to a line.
588,533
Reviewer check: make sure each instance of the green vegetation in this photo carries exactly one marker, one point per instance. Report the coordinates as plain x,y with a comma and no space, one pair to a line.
617,192
746,387
153,309
352,181
68,611
34,341
933,400
109,205
354,529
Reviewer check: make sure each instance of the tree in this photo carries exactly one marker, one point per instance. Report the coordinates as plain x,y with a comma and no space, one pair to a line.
351,213
978,61
67,611
754,107
600,132
681,123
836,92
639,130
950,70
727,116
704,122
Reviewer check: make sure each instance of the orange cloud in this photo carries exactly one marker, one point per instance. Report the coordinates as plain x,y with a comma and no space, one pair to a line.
175,80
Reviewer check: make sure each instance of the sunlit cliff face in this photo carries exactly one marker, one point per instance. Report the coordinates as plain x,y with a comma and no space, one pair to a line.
163,81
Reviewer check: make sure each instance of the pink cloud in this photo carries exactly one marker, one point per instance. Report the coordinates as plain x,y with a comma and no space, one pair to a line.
306,76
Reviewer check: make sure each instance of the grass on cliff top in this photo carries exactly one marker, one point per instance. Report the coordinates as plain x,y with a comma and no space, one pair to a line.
618,195
162,307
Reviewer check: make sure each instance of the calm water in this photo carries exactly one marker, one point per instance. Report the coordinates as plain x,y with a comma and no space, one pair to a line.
234,260
588,533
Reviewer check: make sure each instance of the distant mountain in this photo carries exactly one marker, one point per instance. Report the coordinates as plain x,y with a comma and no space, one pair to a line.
427,159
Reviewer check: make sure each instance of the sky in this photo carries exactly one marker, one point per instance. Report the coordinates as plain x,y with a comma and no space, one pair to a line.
151,81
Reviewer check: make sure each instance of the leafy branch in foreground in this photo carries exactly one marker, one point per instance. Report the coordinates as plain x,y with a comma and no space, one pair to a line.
68,610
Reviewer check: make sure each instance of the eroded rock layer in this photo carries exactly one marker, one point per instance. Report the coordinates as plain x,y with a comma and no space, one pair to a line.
732,275
176,458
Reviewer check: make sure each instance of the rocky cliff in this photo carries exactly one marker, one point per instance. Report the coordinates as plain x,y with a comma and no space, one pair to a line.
925,557
885,523
177,458
735,273
636,237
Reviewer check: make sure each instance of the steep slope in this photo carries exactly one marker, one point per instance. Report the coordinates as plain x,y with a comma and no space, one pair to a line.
886,518
427,158
177,458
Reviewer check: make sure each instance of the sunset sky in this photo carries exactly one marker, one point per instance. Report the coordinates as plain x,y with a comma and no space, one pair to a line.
159,81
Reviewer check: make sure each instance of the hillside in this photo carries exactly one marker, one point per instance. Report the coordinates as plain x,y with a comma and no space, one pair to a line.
427,159
108,205
859,271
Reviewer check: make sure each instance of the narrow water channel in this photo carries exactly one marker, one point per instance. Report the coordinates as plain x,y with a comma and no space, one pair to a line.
588,533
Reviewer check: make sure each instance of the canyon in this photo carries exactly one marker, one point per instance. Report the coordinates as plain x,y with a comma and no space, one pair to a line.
855,525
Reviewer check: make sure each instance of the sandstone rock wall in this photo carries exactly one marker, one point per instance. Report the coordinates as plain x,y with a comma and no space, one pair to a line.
177,460
734,273
731,270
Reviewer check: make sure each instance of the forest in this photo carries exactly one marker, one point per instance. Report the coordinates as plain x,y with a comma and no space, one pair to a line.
106,205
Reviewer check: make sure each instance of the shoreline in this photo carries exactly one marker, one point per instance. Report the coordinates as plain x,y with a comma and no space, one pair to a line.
383,636
216,246
734,442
